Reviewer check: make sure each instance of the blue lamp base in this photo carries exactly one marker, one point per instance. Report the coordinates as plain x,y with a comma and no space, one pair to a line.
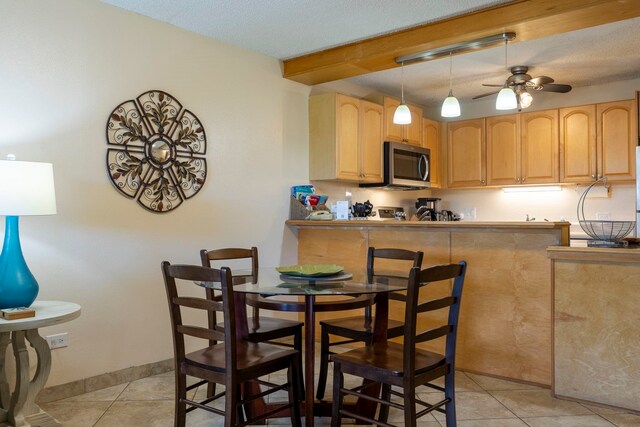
18,287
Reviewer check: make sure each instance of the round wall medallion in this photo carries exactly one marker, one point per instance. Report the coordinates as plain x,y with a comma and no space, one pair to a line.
158,151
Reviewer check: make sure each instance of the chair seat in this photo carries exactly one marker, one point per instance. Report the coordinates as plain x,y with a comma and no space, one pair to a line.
387,358
249,355
357,324
267,325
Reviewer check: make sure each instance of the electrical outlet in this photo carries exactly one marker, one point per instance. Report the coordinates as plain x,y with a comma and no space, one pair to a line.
603,216
470,213
58,340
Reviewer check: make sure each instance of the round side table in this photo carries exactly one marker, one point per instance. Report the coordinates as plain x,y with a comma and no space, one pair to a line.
18,408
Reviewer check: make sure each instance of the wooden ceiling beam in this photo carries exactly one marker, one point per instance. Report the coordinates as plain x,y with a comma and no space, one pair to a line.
529,19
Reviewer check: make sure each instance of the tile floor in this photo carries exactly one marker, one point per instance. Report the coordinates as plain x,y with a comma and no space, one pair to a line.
481,402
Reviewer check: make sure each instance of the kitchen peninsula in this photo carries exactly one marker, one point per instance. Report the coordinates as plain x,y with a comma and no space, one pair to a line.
596,339
505,319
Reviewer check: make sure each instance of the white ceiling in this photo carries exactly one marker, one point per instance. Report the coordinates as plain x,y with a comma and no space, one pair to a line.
289,28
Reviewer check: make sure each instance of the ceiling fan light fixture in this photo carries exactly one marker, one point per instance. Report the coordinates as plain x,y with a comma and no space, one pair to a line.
525,99
506,99
450,106
402,116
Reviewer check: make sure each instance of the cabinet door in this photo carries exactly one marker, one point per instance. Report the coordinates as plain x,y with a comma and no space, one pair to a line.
617,135
347,135
540,147
392,131
431,140
371,142
503,150
466,153
578,144
413,131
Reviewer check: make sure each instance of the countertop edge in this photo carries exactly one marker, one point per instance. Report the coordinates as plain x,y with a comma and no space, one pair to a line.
434,224
568,253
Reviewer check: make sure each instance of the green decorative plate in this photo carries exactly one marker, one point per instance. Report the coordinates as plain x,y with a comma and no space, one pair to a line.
311,270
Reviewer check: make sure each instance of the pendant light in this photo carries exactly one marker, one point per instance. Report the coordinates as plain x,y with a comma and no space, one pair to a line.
506,97
402,116
450,106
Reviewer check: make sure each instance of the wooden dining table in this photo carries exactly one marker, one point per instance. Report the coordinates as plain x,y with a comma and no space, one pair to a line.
271,284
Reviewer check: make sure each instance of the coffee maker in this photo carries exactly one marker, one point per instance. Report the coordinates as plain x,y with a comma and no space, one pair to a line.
428,208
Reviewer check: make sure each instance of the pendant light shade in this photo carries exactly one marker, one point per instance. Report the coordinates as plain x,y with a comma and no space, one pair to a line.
450,106
506,99
402,116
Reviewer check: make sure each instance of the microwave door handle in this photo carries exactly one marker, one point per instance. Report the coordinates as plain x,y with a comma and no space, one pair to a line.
423,161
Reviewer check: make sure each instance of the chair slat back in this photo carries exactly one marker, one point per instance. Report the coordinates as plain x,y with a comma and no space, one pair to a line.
417,280
185,276
411,259
225,254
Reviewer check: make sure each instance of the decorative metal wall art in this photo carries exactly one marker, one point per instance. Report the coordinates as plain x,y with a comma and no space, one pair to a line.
158,151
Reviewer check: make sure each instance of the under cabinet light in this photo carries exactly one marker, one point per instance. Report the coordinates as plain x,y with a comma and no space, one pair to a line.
532,189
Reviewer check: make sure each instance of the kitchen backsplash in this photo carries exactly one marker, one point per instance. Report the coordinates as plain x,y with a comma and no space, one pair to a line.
495,205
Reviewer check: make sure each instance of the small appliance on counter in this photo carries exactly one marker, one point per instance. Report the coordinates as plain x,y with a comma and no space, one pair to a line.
428,209
362,210
391,213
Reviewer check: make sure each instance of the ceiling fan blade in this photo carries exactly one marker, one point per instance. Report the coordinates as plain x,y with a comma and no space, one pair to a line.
484,94
555,88
541,80
484,84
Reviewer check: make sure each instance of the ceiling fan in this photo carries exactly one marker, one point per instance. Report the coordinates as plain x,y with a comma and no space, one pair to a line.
520,81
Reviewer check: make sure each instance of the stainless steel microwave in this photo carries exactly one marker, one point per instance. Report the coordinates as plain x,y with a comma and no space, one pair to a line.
406,167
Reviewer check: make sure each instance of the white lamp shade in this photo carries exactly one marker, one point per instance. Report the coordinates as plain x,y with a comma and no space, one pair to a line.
26,188
525,99
506,99
402,116
450,107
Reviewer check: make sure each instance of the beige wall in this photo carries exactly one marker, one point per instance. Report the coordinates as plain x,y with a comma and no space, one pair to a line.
64,66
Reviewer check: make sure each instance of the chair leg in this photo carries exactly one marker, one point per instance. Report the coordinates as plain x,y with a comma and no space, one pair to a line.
338,380
383,416
450,392
181,406
231,404
294,392
409,392
297,344
211,389
324,363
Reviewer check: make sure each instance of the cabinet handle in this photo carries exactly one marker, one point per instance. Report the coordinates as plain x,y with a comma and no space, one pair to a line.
522,179
517,179
593,176
482,181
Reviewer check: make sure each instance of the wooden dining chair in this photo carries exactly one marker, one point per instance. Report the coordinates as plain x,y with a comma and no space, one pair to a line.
360,328
232,359
404,365
261,329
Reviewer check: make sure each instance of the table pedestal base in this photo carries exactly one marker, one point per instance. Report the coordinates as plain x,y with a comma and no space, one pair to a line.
18,408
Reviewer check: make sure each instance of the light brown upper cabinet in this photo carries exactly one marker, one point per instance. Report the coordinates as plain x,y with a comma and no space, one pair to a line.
345,138
616,140
431,140
466,160
578,143
598,140
540,147
409,134
503,150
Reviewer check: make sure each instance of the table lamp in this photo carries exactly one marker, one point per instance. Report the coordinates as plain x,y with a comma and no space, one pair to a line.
26,188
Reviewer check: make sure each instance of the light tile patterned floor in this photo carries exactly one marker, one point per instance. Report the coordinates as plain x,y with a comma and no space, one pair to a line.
481,402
